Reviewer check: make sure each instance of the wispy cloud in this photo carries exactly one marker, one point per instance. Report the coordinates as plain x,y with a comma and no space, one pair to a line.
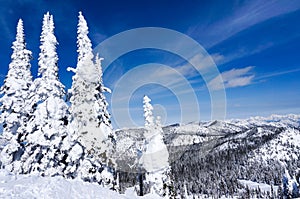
241,53
200,62
245,16
232,78
278,73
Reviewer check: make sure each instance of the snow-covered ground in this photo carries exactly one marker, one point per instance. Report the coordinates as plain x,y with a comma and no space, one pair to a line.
282,148
255,185
34,186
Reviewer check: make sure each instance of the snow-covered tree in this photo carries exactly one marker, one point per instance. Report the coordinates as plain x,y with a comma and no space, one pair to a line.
89,116
155,156
48,83
36,119
14,103
290,186
149,119
101,103
47,142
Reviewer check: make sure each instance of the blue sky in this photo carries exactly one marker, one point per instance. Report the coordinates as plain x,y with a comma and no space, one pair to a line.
255,45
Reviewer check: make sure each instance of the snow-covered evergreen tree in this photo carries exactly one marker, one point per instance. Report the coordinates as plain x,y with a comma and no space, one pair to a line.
149,119
47,83
15,107
101,103
89,116
88,105
36,118
48,145
155,157
290,186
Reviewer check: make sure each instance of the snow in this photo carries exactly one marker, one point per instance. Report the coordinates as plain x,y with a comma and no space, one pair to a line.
88,103
70,69
262,186
195,132
156,153
276,148
130,193
291,120
75,153
34,186
149,119
183,140
15,95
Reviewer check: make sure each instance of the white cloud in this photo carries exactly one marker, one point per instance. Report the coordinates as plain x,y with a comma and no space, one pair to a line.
278,73
199,62
186,71
240,81
232,78
243,52
244,16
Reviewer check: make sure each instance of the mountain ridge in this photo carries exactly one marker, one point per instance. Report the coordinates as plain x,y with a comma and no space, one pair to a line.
214,157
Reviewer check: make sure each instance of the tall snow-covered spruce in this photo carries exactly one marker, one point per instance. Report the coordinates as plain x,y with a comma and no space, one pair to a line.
48,147
88,104
156,155
89,117
14,102
148,115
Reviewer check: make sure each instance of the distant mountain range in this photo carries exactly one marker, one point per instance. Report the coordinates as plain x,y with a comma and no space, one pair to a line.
220,158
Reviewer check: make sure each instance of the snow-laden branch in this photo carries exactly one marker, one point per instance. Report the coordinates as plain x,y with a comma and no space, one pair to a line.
71,69
105,89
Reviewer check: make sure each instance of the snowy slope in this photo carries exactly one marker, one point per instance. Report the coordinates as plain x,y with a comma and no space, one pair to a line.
254,185
257,150
194,133
285,146
31,186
